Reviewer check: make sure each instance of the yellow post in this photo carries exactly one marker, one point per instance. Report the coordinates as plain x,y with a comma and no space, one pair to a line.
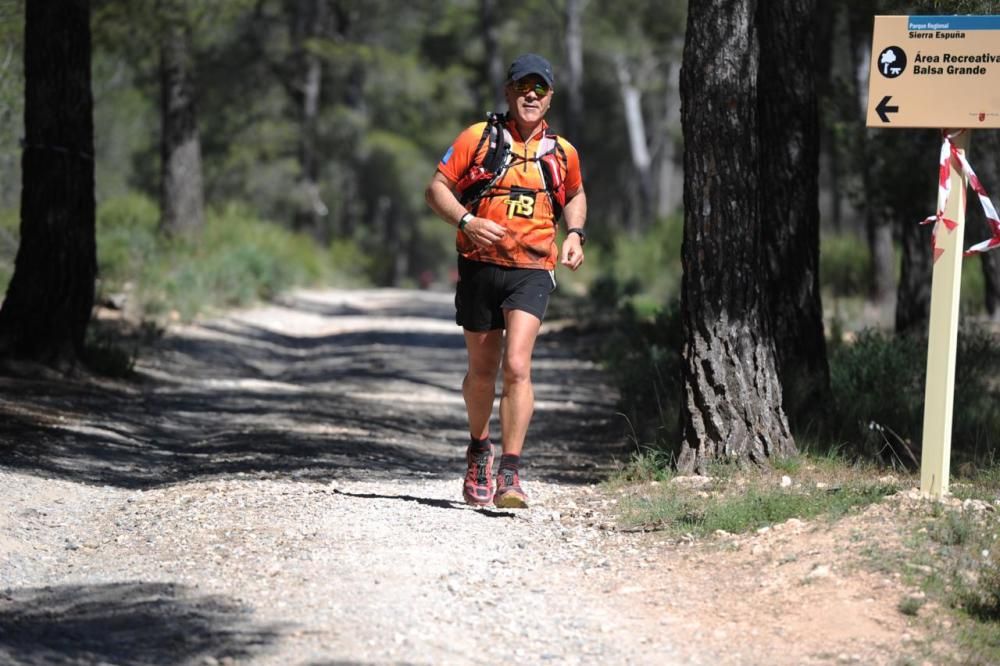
942,341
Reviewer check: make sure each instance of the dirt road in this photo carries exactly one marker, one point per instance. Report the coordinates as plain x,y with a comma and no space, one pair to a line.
282,486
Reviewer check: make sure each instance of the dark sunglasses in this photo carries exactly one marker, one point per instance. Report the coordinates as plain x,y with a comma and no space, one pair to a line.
523,88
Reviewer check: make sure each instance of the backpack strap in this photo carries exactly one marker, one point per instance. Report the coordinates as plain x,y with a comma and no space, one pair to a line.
549,154
482,176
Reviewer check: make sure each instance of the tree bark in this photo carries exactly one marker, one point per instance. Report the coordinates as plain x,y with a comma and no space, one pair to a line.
732,405
789,146
495,72
182,198
45,314
574,68
307,24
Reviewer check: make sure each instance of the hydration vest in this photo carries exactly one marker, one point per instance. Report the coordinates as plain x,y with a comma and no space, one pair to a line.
480,181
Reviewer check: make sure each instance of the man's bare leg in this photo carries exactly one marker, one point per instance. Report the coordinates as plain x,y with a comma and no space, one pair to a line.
517,404
479,391
479,384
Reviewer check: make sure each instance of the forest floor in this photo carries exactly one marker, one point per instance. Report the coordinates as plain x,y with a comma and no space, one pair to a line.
281,485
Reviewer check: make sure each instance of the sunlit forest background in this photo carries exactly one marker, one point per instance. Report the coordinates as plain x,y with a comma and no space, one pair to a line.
325,184
316,125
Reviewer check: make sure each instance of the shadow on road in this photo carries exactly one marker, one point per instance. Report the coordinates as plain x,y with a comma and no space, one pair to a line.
313,389
125,623
428,501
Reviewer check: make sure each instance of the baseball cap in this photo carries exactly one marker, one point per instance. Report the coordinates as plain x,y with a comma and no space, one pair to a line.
530,63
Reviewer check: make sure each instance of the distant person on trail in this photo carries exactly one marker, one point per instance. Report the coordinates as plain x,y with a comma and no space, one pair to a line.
504,183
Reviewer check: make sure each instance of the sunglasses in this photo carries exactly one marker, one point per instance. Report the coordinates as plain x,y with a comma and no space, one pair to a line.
523,88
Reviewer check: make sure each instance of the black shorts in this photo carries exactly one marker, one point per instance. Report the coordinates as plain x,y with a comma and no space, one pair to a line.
484,291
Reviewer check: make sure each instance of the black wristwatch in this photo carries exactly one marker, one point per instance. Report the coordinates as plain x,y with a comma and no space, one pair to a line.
579,232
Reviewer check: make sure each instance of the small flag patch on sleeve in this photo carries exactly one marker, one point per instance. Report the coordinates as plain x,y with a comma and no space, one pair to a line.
447,155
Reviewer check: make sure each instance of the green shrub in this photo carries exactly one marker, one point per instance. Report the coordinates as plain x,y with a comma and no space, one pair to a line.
747,508
646,464
235,259
951,528
972,299
910,605
642,353
126,239
877,384
878,394
982,601
348,264
844,265
105,353
651,260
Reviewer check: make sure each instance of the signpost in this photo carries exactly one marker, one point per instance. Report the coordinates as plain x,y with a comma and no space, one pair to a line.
941,72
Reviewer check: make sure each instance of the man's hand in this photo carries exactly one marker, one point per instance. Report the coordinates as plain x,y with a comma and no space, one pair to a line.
572,252
483,232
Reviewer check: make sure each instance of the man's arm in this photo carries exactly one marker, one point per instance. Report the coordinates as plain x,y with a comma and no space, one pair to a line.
440,196
575,216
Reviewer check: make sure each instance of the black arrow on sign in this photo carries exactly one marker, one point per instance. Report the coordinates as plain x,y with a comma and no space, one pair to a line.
883,109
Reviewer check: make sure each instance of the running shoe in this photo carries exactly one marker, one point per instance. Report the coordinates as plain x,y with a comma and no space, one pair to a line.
509,494
478,486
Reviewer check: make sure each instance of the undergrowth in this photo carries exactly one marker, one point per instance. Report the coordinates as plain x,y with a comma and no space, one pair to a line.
739,499
949,551
236,259
151,277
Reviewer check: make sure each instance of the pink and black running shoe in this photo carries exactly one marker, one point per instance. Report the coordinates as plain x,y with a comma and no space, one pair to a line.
477,488
509,494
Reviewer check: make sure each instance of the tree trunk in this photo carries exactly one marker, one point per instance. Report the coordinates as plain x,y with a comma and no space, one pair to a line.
826,24
986,144
878,229
789,147
307,24
574,68
668,185
495,72
732,397
638,147
51,293
912,197
181,185
913,301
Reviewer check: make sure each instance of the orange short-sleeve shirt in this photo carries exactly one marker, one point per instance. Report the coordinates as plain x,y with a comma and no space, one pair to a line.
519,202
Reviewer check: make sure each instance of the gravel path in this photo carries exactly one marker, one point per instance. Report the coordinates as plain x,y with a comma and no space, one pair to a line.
282,486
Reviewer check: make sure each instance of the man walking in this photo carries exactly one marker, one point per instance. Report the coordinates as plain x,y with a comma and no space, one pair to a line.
504,184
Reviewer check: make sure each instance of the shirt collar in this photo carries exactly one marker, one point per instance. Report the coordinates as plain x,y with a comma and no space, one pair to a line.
539,131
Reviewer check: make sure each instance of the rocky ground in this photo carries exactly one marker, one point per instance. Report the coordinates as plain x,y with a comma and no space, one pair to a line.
282,486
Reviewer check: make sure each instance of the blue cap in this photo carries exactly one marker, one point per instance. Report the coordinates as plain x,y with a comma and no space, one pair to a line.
530,63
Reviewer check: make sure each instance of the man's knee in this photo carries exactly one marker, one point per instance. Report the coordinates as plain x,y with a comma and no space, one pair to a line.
481,376
517,370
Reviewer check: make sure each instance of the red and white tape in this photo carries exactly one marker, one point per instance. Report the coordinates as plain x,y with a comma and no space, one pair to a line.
949,150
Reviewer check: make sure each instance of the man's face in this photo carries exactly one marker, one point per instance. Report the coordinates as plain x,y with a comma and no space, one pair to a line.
529,98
